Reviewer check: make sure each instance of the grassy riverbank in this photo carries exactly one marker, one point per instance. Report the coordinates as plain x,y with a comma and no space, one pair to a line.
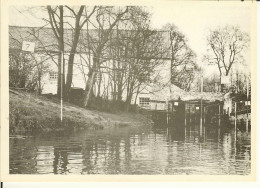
29,112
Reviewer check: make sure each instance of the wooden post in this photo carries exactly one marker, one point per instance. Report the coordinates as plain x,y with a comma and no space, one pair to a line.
185,115
190,132
218,134
235,122
155,114
61,92
201,106
167,116
219,115
190,112
247,104
204,115
235,116
204,133
201,113
185,133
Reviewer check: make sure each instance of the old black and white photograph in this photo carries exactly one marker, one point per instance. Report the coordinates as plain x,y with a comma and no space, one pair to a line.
145,89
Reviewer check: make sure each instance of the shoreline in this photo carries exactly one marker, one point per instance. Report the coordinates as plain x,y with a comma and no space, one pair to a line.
31,112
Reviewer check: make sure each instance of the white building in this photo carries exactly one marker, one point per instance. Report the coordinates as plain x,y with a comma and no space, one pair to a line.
150,96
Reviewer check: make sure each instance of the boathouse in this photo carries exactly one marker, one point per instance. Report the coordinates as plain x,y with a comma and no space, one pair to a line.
187,107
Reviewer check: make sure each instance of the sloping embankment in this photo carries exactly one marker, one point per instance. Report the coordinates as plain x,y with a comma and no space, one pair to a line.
29,112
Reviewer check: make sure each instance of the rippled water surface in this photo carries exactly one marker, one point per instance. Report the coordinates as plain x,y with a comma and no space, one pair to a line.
138,150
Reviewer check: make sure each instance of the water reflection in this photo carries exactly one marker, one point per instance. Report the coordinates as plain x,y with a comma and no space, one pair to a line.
139,150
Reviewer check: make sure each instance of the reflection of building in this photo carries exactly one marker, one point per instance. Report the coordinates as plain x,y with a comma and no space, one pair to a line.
242,103
75,162
44,159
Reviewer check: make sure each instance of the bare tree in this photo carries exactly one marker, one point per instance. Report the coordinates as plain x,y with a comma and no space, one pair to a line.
56,20
182,58
106,18
184,76
58,17
80,21
146,56
122,43
143,51
226,47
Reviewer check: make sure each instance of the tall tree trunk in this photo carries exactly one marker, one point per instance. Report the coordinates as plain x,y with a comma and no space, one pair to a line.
59,76
72,53
39,80
90,83
120,86
119,94
128,101
99,84
88,89
137,93
129,96
115,72
61,49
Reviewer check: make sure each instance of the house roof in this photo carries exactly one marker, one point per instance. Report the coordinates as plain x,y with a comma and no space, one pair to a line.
45,39
193,96
166,92
173,92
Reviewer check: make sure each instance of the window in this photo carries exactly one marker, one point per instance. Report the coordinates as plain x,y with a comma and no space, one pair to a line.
53,75
144,102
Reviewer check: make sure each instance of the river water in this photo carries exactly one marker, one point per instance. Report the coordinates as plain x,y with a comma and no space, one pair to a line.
133,150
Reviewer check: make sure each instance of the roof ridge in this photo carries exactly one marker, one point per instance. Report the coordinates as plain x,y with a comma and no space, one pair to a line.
44,27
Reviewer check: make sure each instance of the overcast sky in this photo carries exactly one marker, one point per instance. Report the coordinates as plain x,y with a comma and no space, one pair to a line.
196,20
193,19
